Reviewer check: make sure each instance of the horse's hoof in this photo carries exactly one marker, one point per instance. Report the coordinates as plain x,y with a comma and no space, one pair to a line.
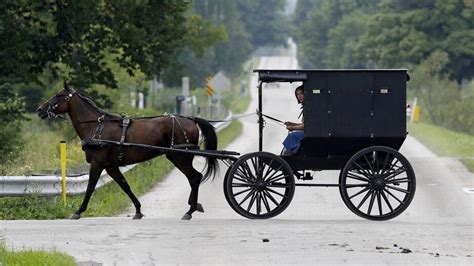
138,216
187,217
199,208
75,216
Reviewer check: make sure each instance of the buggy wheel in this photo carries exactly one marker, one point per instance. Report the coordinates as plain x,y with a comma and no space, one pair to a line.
259,185
377,183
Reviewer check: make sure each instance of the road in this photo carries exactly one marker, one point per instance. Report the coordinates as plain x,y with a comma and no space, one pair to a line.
317,227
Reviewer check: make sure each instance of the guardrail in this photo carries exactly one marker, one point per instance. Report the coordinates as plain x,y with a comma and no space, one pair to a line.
50,185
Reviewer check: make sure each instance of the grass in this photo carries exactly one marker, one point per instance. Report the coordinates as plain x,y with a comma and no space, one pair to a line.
445,142
40,153
30,257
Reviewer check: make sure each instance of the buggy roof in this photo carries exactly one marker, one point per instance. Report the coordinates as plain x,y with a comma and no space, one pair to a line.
294,75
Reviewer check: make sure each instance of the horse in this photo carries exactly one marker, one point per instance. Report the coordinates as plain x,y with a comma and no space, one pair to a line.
93,125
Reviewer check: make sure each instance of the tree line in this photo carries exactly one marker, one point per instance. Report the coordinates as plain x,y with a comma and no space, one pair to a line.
432,38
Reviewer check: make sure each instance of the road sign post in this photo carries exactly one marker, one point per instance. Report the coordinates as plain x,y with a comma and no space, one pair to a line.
209,93
63,170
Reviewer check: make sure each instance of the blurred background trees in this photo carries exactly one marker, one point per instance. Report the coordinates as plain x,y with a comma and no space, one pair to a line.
433,38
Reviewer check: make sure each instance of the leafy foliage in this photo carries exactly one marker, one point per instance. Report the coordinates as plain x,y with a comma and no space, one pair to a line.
76,36
387,34
11,109
265,21
441,97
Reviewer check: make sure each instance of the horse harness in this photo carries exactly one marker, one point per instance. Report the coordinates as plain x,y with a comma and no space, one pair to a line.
125,123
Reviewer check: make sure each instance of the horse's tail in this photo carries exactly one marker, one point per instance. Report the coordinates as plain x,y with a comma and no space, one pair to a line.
210,138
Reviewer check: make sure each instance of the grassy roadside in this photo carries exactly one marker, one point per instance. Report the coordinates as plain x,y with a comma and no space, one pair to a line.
29,257
445,142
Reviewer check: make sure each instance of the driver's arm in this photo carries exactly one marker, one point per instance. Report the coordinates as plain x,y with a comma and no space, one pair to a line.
294,126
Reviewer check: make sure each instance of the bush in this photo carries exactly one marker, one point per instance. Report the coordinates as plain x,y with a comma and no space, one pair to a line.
12,108
441,98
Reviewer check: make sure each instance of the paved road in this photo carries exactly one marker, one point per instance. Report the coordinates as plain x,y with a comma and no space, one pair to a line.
437,228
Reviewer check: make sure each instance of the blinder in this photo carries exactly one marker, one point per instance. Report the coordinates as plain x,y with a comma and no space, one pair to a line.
53,106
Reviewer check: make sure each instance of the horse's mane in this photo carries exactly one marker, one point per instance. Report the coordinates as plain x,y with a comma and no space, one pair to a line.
94,106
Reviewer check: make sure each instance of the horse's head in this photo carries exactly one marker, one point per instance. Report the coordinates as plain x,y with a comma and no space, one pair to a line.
58,104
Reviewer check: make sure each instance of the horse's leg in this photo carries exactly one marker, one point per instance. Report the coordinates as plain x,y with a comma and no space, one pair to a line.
94,175
116,175
185,165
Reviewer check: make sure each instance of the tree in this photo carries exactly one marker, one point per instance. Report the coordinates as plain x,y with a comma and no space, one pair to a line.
404,33
265,22
76,36
232,46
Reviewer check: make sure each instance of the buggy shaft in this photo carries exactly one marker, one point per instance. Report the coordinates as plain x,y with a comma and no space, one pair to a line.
206,153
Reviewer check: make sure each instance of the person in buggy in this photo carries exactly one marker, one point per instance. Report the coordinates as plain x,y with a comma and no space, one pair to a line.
292,142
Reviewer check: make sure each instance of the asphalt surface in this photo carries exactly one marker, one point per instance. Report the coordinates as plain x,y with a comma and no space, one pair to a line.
317,228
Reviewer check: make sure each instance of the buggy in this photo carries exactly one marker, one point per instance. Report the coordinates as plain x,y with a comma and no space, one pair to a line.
355,122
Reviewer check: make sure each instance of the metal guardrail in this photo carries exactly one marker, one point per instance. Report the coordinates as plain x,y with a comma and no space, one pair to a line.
50,185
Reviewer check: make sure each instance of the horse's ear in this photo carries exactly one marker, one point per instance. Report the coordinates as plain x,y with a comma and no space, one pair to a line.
66,87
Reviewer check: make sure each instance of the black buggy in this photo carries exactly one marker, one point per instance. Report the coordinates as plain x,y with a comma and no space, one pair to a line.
355,121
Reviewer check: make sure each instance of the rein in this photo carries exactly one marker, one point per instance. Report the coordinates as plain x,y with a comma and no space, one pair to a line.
278,121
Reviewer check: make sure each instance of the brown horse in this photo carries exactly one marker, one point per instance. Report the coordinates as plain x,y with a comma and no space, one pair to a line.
93,125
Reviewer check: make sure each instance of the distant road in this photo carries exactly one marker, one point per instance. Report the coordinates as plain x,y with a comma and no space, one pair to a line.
317,227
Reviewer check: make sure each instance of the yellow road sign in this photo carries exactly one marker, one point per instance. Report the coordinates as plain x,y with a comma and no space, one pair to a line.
209,88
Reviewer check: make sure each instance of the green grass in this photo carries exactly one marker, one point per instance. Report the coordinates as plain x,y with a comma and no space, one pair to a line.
32,258
40,153
445,142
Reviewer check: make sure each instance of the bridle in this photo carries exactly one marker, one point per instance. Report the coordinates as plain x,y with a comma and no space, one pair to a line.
53,106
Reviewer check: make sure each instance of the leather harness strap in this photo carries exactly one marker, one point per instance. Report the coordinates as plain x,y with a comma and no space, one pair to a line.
176,121
125,125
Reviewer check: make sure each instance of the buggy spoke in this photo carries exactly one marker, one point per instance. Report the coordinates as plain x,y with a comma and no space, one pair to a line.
385,163
393,196
243,191
376,160
252,200
271,198
352,176
386,200
362,169
275,172
265,201
241,173
259,203
249,171
379,202
395,173
279,185
392,165
242,179
399,189
246,198
240,185
399,180
367,160
357,185
268,171
276,192
358,193
364,199
276,178
371,204
357,173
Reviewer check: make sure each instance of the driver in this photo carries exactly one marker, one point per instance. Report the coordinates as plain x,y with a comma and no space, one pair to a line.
292,142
